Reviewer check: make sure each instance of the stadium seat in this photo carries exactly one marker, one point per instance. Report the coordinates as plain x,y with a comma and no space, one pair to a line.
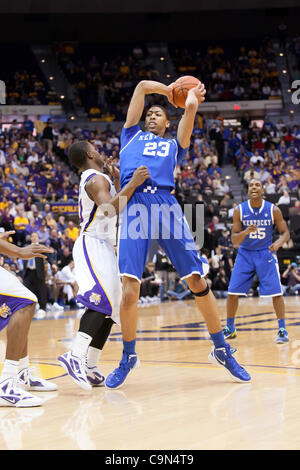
285,210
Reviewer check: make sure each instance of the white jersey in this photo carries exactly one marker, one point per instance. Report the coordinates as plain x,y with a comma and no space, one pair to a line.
93,222
96,267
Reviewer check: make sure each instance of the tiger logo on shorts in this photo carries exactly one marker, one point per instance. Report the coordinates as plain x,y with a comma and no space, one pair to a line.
5,311
95,298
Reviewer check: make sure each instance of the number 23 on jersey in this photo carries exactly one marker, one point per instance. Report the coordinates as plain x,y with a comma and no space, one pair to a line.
159,149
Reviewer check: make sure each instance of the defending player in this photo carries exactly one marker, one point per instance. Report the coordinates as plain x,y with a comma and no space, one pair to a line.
17,306
252,229
95,260
161,156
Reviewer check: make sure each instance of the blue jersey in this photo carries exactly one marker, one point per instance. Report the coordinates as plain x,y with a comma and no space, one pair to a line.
159,155
263,218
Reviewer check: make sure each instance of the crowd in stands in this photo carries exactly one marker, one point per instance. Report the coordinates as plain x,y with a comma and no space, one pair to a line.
294,49
104,79
35,173
24,81
247,72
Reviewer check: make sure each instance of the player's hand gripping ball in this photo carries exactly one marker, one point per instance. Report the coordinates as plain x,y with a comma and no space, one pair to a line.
181,88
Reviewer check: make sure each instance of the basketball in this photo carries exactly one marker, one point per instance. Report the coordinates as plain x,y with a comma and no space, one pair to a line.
181,88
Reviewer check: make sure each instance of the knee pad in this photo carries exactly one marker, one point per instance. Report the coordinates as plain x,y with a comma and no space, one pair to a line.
201,293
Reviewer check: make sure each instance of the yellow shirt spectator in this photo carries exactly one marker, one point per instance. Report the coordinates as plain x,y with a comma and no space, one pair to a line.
73,233
3,204
20,222
39,126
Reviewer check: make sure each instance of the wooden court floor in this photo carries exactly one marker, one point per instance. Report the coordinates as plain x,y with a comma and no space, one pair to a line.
176,400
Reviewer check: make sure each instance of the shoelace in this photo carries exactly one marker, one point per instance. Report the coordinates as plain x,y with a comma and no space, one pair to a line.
123,366
229,352
30,372
281,333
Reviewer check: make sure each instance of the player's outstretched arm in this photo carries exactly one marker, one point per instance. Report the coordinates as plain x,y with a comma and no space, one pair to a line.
35,250
137,103
97,189
282,228
186,125
238,235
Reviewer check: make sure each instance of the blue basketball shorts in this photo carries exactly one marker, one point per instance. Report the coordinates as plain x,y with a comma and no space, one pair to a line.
156,215
261,262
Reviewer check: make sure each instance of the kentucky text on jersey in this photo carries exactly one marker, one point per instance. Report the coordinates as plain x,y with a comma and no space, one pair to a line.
263,218
257,222
158,154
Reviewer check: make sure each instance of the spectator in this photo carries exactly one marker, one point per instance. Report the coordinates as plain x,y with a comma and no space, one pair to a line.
47,136
220,284
292,275
150,284
65,257
39,126
162,268
250,174
178,289
34,279
270,186
61,224
43,232
70,286
285,198
28,125
20,223
72,231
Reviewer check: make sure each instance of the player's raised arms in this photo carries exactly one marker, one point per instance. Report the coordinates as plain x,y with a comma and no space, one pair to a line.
186,125
137,103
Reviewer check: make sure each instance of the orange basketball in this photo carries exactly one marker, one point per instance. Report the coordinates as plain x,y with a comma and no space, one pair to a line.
181,88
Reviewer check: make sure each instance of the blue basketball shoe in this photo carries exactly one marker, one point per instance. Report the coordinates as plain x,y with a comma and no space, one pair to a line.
223,357
282,336
228,334
118,376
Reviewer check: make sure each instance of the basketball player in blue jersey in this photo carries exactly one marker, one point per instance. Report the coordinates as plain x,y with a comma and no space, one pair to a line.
96,266
161,156
253,222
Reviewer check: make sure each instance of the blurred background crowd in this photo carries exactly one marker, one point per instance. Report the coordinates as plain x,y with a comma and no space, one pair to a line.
39,188
36,176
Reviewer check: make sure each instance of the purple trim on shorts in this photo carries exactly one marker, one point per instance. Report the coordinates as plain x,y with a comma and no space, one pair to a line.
104,305
13,304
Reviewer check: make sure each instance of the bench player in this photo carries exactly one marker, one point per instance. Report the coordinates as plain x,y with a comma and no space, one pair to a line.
252,228
161,156
96,267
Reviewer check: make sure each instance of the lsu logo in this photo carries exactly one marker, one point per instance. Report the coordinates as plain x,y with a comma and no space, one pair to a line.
95,298
5,311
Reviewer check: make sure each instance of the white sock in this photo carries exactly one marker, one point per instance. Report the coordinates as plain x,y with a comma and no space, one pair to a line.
81,344
24,363
93,356
10,369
